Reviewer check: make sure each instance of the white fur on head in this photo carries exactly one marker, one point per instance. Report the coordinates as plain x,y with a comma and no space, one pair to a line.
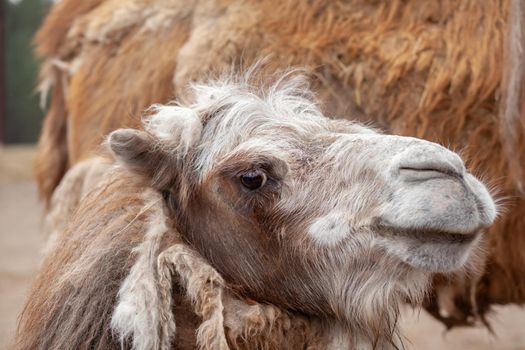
179,127
236,110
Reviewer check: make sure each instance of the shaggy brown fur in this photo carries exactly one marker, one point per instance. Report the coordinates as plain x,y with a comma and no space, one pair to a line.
72,302
432,70
76,283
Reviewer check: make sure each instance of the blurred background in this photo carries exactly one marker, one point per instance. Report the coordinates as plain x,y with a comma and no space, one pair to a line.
20,115
21,212
20,122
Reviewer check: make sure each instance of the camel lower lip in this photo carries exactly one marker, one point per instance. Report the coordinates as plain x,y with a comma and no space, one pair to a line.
432,250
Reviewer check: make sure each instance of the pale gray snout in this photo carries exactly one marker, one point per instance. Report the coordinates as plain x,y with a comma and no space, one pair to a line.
432,190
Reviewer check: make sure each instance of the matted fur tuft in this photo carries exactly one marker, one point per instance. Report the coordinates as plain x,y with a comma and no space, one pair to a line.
137,314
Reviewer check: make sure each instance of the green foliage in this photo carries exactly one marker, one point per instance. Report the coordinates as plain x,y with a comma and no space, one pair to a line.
23,113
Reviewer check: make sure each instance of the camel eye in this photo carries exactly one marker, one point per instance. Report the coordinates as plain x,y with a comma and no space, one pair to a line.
253,179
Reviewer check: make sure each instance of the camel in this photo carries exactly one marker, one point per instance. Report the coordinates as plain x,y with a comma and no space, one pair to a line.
448,71
246,218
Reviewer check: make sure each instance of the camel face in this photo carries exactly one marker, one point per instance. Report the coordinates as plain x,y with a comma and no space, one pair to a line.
303,211
415,198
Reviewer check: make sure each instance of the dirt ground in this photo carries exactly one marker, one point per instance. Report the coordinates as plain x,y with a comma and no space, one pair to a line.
21,241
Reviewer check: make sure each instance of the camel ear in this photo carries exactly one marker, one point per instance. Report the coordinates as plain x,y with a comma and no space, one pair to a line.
158,153
139,152
131,147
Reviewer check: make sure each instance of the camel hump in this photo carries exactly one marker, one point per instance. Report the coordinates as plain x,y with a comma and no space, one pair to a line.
512,107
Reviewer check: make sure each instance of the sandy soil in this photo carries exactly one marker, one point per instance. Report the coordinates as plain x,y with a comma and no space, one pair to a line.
21,241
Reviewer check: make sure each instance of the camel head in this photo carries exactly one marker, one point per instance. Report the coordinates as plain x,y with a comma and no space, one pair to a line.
327,217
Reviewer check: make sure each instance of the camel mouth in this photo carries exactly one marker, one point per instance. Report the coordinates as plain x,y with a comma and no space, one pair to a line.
429,235
430,249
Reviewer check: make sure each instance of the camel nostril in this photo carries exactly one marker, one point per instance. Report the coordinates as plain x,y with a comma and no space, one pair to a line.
424,161
427,171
